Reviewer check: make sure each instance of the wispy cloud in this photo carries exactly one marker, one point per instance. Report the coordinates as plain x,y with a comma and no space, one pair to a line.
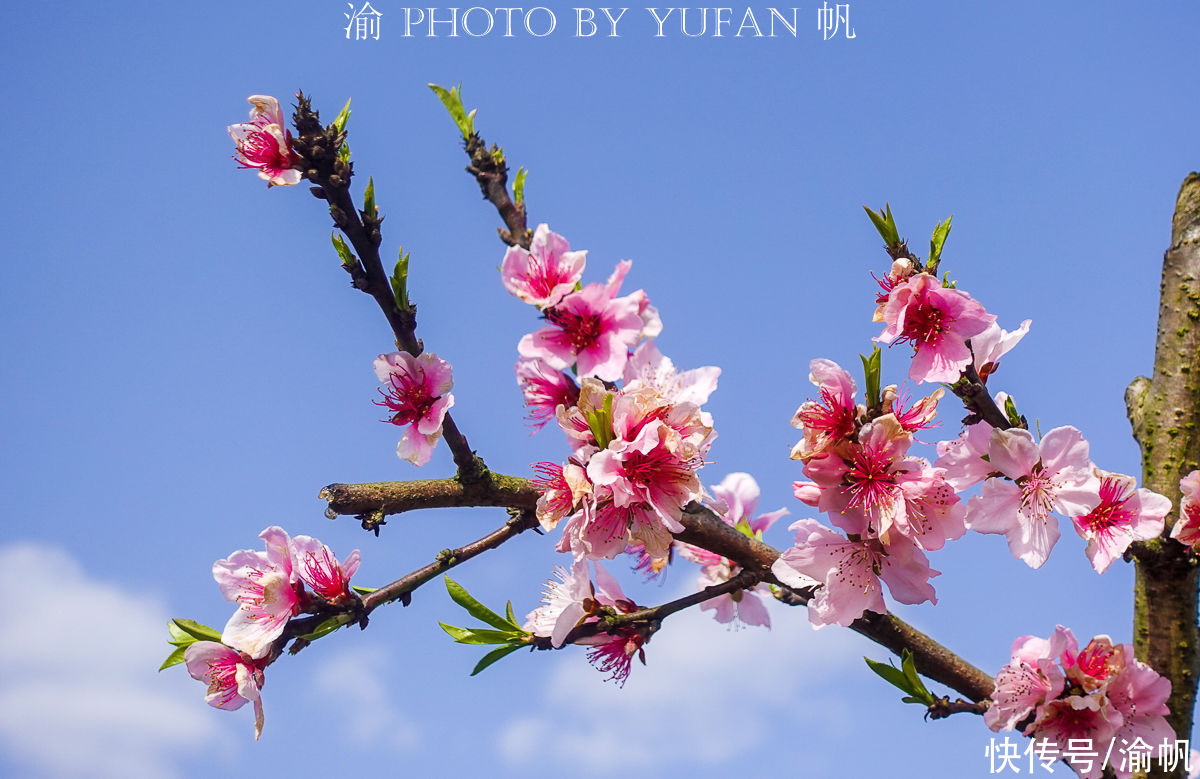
80,695
707,697
352,691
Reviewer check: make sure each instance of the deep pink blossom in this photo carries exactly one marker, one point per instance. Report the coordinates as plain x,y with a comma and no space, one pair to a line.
588,329
561,489
417,391
545,273
233,678
545,389
1125,514
1055,475
937,321
318,567
265,144
1187,527
850,572
831,420
1076,718
919,415
266,588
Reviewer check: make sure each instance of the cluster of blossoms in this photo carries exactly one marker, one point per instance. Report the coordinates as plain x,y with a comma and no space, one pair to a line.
891,507
635,449
1025,480
269,588
417,392
265,144
571,599
1058,694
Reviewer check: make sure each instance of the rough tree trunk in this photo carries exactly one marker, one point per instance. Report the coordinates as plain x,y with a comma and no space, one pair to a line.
1164,412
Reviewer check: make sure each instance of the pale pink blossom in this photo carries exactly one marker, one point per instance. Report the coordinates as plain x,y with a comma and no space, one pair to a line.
900,272
1028,681
1125,514
545,273
1053,476
850,572
265,144
233,678
589,329
937,321
318,567
266,588
1075,718
993,343
962,458
563,603
737,495
933,513
1140,694
544,389
418,393
831,420
651,323
1187,527
649,368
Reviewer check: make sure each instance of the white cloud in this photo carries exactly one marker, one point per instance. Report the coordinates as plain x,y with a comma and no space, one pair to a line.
80,694
707,696
354,692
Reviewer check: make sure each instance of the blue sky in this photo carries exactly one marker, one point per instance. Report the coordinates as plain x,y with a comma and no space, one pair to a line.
187,364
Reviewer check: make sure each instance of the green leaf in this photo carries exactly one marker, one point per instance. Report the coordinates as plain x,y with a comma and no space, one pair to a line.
508,612
452,100
369,200
175,658
363,590
1010,411
340,123
327,626
343,250
872,367
938,241
198,631
474,607
400,282
344,152
890,673
493,656
469,636
885,224
519,186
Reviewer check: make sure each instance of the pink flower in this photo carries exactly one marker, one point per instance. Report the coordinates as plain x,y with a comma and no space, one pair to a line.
265,144
545,389
319,568
1077,717
593,329
1029,681
850,572
830,420
562,488
545,273
962,458
1125,515
993,343
1140,695
418,394
919,415
1187,527
233,678
738,493
933,513
615,656
937,321
1053,476
266,589
563,604
647,367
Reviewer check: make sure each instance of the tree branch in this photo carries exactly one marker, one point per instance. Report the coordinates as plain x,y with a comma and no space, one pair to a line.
1163,412
701,528
491,173
318,148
